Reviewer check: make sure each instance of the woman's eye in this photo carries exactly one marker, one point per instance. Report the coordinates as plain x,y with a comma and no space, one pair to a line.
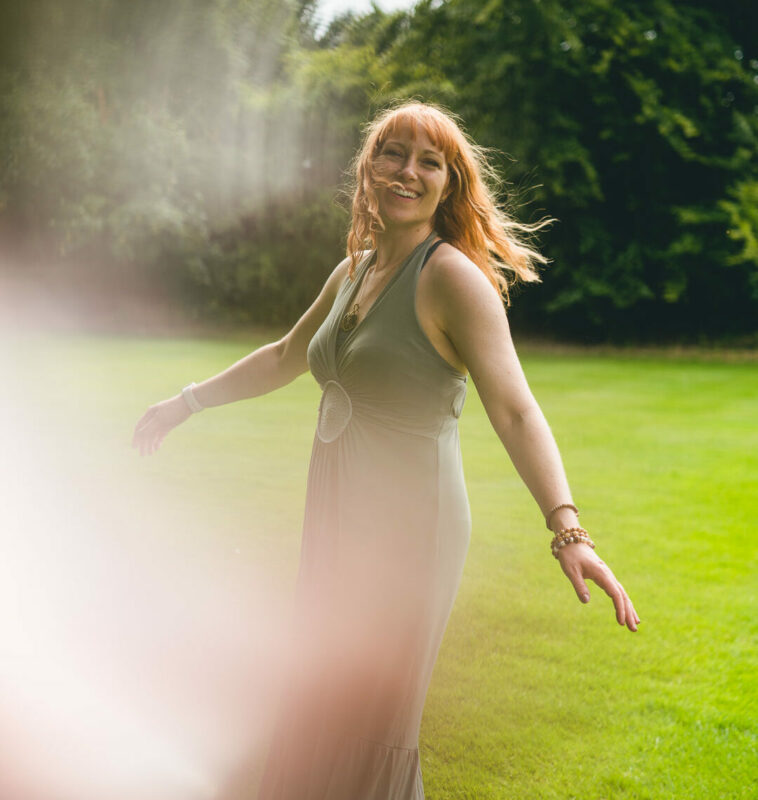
397,154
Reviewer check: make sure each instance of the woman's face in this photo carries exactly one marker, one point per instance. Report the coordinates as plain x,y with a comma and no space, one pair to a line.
417,174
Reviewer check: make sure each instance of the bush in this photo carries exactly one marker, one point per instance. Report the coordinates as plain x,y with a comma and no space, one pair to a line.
270,266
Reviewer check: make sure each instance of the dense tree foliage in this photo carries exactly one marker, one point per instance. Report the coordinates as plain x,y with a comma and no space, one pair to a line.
203,143
640,123
134,128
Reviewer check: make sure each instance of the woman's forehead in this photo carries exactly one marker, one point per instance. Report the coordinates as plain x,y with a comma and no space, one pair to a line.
403,130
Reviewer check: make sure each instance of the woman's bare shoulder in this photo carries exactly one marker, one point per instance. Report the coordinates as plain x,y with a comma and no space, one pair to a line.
452,277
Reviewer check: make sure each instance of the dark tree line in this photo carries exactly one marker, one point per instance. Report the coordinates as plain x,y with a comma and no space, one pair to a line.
202,144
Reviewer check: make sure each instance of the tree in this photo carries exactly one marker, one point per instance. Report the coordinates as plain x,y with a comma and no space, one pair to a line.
639,120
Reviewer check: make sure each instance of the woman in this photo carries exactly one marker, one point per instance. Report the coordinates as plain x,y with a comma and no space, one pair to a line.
391,340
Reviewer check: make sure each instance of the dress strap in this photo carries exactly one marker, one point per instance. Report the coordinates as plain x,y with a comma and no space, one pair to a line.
430,251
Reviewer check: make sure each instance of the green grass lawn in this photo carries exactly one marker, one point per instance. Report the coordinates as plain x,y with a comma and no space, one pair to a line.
534,695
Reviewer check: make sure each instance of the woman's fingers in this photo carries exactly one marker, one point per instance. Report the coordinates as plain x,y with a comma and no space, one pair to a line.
145,418
143,424
149,432
154,439
579,566
633,615
145,440
632,620
577,581
157,421
605,579
625,613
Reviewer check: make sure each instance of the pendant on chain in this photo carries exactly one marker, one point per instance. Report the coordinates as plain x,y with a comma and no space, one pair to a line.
350,319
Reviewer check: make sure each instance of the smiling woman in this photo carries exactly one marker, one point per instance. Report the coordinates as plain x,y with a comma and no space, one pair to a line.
413,310
421,171
416,155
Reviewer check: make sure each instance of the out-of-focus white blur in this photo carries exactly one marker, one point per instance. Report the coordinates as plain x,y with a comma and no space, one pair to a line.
139,655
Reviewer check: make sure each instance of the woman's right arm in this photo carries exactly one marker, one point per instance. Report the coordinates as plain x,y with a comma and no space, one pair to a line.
269,367
276,364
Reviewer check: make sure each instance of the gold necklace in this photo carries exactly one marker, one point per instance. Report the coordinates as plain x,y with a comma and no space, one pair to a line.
350,318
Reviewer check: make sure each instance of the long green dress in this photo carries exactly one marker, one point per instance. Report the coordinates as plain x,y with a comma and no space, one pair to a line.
386,531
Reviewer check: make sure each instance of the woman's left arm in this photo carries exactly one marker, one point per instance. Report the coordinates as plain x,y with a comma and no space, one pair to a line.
471,314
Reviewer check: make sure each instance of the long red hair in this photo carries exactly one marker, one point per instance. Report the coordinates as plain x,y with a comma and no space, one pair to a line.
468,217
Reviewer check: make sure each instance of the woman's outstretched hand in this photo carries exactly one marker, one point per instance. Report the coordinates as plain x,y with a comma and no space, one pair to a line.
157,421
579,562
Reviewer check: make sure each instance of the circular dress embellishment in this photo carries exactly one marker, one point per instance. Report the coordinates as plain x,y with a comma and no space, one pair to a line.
334,412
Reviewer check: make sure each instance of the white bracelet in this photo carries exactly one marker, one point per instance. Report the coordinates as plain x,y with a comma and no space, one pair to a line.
190,398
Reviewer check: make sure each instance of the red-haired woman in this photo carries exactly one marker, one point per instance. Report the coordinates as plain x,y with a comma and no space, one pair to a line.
415,307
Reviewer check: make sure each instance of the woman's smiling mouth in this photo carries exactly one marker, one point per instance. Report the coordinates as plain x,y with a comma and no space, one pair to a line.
405,194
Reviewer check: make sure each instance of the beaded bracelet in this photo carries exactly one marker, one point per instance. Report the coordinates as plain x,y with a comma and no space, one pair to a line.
581,540
555,508
568,536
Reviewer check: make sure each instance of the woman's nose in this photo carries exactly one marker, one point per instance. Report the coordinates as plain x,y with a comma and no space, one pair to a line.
409,167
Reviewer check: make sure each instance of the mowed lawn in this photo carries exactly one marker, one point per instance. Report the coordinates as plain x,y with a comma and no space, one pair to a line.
534,694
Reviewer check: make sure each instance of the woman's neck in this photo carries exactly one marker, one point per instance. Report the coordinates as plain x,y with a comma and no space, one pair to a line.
393,246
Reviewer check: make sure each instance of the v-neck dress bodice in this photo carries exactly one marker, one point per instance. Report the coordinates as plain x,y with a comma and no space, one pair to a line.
385,536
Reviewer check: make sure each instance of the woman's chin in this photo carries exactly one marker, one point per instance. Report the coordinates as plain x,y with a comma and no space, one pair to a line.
398,221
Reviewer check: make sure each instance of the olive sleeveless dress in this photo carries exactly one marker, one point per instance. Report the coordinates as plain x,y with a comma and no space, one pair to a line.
386,532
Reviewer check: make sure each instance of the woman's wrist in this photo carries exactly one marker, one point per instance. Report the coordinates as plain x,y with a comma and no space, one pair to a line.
563,518
180,404
189,398
569,537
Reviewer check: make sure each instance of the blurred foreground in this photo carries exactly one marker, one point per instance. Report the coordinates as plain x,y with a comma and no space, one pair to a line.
135,661
140,652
